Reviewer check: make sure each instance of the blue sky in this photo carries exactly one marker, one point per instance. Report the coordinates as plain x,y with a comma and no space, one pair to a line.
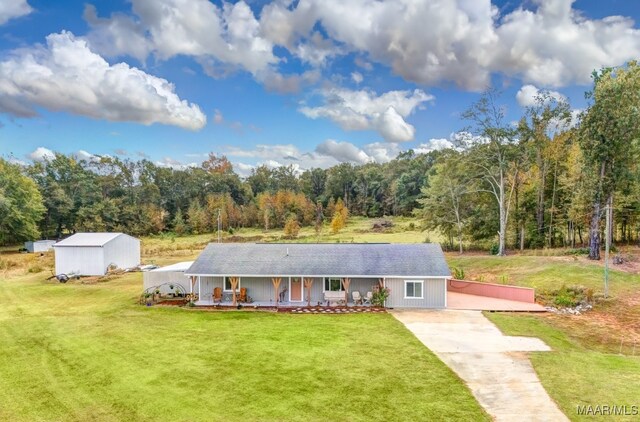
308,83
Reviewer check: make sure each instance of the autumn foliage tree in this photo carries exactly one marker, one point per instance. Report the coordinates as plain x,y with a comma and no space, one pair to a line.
609,137
340,216
291,227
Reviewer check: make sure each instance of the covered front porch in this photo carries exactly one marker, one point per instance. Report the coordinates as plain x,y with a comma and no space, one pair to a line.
283,291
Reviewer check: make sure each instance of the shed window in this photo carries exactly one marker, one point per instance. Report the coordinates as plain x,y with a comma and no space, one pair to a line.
332,285
227,284
413,289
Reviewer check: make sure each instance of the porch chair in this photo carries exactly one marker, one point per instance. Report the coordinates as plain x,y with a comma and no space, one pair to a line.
243,295
357,298
217,295
367,299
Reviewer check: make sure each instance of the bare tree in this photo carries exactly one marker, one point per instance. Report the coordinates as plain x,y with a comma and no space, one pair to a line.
496,158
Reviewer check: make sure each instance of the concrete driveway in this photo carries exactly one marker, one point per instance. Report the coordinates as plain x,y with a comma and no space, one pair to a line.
494,366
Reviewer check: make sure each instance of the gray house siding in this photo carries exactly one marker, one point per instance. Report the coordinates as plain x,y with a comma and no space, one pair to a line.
260,289
434,295
363,285
207,284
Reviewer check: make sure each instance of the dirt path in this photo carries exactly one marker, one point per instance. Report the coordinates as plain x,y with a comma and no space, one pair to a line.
494,366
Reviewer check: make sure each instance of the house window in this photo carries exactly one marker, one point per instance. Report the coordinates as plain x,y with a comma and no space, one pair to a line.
333,285
227,284
413,289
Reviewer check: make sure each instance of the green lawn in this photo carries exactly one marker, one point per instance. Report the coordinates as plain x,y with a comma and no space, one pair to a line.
358,230
573,373
542,272
79,352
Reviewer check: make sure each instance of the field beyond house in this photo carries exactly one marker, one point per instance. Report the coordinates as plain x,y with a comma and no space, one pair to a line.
87,350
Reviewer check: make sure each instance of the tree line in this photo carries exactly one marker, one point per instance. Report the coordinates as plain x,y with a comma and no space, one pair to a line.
543,182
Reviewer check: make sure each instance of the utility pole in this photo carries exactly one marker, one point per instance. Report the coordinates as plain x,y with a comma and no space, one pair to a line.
218,225
607,243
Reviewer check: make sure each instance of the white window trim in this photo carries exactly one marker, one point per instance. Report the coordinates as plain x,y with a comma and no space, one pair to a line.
224,284
324,284
421,289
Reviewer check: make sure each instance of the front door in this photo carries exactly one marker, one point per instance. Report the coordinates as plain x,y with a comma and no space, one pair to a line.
295,289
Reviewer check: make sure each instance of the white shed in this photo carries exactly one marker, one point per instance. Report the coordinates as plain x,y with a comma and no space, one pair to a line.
37,246
93,253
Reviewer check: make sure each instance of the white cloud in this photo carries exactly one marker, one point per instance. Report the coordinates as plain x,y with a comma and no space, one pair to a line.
115,36
529,96
243,169
382,152
357,77
433,145
457,140
264,151
41,154
288,84
462,41
229,36
172,163
83,155
364,110
13,9
427,42
343,152
67,76
556,45
326,154
14,160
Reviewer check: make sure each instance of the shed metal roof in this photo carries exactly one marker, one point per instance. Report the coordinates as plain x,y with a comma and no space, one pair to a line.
336,259
178,267
88,239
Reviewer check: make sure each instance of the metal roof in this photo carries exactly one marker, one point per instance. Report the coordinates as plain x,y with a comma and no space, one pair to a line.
321,259
178,267
88,239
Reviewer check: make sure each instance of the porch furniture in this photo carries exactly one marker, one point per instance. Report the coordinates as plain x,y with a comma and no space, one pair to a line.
357,298
335,298
217,295
367,299
243,295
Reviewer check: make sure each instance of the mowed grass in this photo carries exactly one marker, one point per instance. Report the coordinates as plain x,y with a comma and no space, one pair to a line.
77,352
357,230
543,272
573,373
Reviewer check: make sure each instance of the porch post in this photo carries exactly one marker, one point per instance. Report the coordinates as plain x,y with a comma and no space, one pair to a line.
384,286
199,288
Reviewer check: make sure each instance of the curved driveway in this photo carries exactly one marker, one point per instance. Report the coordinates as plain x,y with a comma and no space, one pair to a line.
494,366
